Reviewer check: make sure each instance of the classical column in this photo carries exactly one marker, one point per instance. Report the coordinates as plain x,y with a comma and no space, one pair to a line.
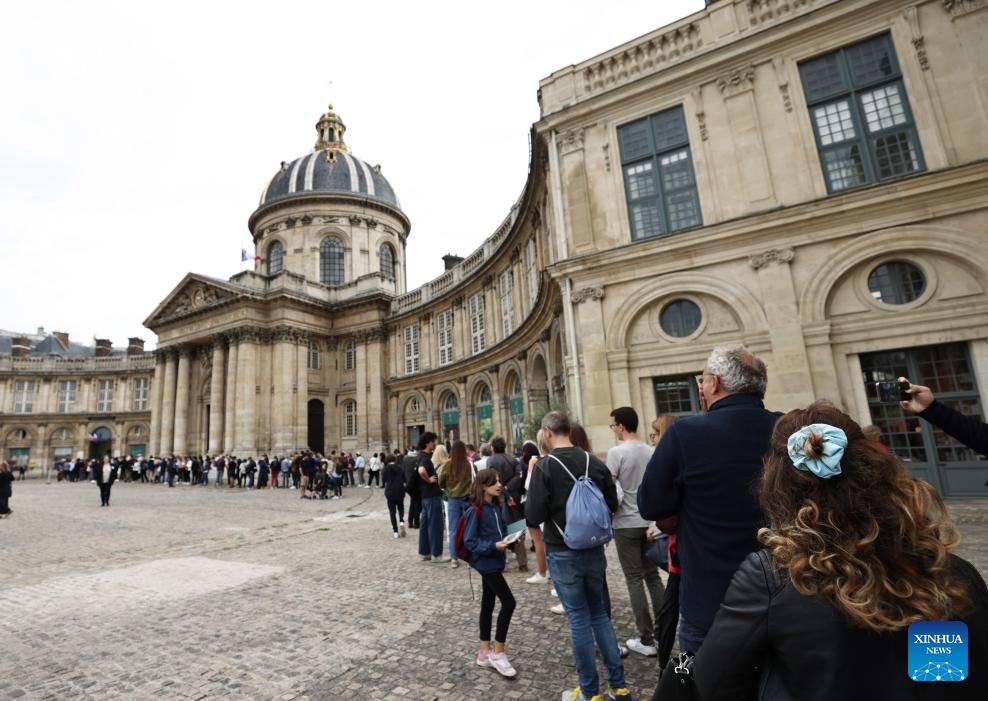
168,404
246,398
791,377
283,397
216,396
181,439
230,403
301,390
588,310
154,440
372,423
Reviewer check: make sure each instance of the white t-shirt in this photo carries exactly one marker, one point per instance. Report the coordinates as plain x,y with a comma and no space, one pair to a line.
627,461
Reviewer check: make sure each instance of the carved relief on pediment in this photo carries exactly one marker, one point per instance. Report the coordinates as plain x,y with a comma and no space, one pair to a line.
195,297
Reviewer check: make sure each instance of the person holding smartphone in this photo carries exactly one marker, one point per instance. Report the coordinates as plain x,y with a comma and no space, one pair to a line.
967,429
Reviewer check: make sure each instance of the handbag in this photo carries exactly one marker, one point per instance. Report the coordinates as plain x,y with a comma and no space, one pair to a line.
677,682
658,551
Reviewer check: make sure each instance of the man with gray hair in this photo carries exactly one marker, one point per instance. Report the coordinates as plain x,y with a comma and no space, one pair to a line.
704,470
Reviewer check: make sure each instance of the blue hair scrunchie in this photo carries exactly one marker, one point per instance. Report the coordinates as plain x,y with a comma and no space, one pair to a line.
827,465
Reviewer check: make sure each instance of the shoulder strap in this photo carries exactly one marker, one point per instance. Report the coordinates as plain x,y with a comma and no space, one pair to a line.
566,468
586,472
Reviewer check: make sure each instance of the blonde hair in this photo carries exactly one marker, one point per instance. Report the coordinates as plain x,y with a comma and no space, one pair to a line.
661,425
873,541
4,467
440,456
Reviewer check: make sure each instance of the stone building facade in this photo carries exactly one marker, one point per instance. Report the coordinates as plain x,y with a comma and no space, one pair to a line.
807,177
60,399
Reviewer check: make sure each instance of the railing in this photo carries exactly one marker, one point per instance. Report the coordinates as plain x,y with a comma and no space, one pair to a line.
144,361
461,271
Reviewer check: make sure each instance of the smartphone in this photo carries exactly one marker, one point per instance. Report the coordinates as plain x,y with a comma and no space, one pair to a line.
890,391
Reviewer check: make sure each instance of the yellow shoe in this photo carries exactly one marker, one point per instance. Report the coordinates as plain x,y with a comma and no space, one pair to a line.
621,693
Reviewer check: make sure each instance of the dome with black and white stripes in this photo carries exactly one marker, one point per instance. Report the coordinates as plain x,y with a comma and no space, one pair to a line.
329,169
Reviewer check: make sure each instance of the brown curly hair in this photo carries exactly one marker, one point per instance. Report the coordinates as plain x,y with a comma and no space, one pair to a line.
873,541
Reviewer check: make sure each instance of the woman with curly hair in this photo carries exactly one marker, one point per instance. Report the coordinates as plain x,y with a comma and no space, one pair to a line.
856,550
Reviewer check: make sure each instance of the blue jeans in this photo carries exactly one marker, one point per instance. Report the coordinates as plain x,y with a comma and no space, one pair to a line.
578,576
431,527
454,507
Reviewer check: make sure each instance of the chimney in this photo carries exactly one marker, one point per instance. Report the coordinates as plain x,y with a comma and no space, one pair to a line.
20,346
135,346
104,347
449,260
62,337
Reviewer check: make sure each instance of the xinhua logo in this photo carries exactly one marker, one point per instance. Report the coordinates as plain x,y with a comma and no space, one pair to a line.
938,651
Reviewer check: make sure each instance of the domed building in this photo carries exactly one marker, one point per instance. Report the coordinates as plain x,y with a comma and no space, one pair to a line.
321,346
806,178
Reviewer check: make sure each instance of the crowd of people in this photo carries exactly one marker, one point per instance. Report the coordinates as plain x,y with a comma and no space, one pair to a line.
799,550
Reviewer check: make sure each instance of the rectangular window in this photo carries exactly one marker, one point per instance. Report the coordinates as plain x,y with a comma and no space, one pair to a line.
507,303
676,395
658,175
312,362
444,331
478,338
350,356
411,349
140,402
104,395
532,263
23,396
860,115
350,426
66,396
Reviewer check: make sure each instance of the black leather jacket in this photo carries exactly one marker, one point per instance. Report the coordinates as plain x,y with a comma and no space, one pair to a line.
770,638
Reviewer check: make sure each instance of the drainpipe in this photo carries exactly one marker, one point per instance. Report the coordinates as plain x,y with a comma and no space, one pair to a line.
563,254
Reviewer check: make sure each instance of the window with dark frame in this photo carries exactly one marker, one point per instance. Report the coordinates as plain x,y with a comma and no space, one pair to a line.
896,282
386,255
659,182
276,258
680,318
676,395
331,270
860,115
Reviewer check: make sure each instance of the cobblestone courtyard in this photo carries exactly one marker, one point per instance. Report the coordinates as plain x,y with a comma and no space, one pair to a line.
203,593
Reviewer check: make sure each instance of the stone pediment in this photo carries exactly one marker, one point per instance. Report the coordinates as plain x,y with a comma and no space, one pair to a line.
194,295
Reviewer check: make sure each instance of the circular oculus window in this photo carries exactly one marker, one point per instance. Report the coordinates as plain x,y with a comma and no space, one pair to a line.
896,282
680,318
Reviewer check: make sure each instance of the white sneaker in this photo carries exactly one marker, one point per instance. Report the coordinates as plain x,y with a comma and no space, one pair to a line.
558,608
499,661
553,592
538,578
636,645
401,529
396,534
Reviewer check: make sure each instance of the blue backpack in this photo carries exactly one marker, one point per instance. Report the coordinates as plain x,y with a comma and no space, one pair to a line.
588,519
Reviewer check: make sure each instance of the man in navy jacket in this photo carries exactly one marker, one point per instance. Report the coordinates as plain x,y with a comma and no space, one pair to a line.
706,470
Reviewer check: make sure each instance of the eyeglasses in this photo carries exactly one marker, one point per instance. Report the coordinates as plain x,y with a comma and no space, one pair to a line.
611,426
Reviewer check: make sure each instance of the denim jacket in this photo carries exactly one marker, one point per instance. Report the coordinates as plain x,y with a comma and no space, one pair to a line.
480,538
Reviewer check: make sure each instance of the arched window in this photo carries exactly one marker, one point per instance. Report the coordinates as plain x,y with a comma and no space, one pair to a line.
313,355
386,255
350,418
485,414
331,261
276,258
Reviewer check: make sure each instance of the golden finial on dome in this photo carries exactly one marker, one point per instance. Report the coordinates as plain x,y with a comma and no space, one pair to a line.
329,131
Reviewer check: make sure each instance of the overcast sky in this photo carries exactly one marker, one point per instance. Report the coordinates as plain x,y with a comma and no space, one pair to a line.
136,138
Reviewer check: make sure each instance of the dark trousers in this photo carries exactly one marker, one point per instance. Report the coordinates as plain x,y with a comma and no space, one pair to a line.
494,585
373,477
668,619
104,494
396,505
414,511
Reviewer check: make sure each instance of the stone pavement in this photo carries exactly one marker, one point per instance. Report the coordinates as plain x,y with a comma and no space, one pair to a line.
205,593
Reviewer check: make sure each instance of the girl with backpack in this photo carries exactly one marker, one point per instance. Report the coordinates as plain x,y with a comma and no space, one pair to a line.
484,535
